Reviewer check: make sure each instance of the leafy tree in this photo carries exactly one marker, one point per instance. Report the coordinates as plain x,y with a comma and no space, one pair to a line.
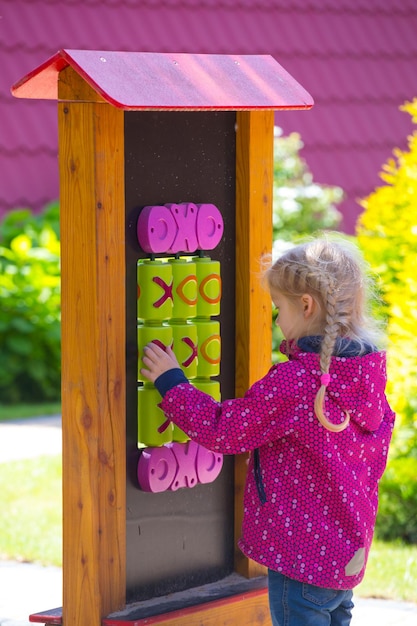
30,274
34,225
387,233
30,306
301,207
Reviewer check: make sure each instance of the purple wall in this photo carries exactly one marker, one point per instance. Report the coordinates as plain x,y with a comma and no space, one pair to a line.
356,57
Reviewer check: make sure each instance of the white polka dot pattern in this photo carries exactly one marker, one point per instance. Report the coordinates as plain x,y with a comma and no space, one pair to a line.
321,487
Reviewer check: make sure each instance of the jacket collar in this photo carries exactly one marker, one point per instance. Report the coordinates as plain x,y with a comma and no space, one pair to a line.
344,346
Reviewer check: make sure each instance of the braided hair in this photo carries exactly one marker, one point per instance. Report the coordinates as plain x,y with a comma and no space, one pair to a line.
333,276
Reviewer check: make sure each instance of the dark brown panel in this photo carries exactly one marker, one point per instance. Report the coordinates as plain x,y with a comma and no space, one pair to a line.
177,540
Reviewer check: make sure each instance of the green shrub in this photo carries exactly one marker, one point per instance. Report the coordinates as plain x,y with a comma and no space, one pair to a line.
301,207
30,306
397,514
387,233
33,225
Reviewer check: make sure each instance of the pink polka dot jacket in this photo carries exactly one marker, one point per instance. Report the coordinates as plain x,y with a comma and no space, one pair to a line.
311,495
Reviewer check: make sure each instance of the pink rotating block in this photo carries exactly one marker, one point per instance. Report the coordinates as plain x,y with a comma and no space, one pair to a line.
186,455
209,465
185,216
156,469
209,226
177,465
184,227
155,229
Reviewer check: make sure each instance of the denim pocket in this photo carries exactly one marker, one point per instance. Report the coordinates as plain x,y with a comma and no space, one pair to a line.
318,595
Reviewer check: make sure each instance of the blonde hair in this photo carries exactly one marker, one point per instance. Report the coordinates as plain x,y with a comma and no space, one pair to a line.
334,276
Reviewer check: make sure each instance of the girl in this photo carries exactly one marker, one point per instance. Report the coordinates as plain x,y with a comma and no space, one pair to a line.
319,428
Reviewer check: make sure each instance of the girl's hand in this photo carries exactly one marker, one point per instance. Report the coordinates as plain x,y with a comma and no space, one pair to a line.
157,361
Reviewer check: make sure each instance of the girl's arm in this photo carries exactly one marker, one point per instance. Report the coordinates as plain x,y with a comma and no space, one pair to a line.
231,426
264,414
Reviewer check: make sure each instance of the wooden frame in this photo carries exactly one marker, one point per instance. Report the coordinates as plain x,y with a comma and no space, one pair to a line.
254,177
93,95
93,369
245,609
93,321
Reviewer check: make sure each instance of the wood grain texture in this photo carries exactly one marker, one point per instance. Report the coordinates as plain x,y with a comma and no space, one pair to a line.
93,347
93,354
248,609
254,178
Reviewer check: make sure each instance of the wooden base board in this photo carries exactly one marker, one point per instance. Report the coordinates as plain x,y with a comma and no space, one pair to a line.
246,608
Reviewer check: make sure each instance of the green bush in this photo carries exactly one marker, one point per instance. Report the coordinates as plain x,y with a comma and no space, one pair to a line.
30,306
301,207
31,224
387,233
397,514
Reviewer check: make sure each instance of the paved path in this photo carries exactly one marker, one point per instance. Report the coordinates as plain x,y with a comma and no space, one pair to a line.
27,588
27,439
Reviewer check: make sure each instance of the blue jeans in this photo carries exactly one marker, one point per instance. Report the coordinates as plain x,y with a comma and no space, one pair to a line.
299,604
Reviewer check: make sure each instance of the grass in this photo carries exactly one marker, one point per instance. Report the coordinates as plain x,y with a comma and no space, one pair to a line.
31,512
31,521
24,411
31,515
391,572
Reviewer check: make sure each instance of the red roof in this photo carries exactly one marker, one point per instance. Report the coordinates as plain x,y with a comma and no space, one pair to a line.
155,80
356,57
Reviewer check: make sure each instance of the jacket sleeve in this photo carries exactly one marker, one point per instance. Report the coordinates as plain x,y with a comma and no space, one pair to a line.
239,425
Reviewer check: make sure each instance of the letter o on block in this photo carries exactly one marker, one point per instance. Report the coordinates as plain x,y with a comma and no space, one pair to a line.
209,226
157,468
156,229
209,465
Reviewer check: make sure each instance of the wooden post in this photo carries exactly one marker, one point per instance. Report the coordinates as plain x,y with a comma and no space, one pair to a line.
254,177
93,347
